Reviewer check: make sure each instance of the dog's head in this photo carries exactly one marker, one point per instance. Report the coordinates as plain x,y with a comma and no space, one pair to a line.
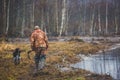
17,51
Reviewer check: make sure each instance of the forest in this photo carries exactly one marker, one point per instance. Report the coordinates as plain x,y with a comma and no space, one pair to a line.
60,17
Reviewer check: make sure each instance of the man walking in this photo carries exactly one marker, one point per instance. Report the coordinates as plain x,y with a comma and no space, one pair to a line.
39,44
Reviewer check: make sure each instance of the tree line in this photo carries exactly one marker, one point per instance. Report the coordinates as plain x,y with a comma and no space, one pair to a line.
60,17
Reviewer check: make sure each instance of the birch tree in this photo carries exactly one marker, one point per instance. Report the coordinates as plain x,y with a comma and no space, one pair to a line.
80,22
84,18
66,19
42,18
60,17
47,14
67,22
23,20
116,16
63,17
56,15
43,3
106,18
92,18
8,11
33,12
99,19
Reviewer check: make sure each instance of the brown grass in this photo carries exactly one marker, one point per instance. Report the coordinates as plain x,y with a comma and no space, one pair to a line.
71,49
55,54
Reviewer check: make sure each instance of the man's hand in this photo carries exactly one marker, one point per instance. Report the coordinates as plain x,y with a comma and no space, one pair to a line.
33,48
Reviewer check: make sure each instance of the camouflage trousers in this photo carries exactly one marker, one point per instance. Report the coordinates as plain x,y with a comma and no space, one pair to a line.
40,58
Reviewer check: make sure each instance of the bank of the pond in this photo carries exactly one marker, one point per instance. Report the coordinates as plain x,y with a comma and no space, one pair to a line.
62,53
69,50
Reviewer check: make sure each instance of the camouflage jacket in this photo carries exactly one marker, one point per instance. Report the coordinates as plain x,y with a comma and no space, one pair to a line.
38,38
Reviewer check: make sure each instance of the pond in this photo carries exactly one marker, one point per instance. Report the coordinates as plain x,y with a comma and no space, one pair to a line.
108,62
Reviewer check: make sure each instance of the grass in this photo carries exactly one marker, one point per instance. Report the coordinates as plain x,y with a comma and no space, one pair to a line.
55,54
71,49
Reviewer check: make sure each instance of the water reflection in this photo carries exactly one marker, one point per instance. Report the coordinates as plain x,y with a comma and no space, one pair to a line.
106,63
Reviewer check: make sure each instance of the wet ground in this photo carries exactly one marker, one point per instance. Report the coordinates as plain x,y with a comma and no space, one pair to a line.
108,62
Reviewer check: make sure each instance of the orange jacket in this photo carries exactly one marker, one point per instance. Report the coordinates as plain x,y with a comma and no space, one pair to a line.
38,38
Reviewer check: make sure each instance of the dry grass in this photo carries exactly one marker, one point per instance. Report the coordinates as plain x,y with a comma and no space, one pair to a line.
71,49
55,54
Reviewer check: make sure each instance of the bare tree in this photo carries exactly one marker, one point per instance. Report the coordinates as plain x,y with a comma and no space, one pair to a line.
23,20
42,18
80,22
8,11
60,17
56,14
106,18
17,18
84,18
92,18
63,17
33,12
47,14
99,19
116,16
43,3
66,19
4,16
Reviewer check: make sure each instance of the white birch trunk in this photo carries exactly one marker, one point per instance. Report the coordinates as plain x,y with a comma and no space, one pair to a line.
92,21
116,18
56,12
80,22
63,17
99,20
67,20
23,21
32,7
8,11
106,18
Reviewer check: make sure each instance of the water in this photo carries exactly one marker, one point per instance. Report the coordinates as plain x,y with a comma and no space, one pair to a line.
107,62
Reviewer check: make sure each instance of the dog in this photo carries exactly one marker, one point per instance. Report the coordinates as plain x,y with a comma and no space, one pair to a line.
16,56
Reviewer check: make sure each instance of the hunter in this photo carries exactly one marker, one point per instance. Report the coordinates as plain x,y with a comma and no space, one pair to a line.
39,44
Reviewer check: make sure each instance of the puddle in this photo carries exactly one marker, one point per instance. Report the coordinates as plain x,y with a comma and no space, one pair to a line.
105,63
